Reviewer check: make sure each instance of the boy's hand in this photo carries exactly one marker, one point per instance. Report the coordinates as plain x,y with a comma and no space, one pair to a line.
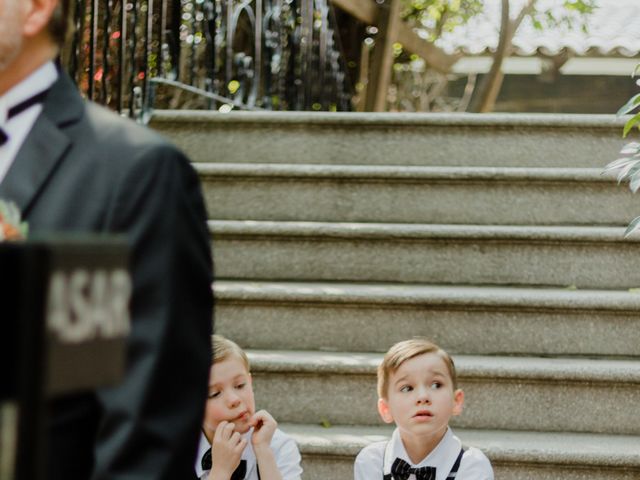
264,426
227,447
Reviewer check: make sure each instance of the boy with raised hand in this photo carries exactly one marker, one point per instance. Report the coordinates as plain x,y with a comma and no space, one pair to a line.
417,389
237,442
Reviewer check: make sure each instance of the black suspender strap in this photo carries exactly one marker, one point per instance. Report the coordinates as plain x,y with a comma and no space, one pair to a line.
456,466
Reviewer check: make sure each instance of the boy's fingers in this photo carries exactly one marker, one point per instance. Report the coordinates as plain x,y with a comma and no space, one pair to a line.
241,445
224,431
217,435
228,430
259,417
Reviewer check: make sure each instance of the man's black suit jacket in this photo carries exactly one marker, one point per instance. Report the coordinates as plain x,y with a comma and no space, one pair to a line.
85,169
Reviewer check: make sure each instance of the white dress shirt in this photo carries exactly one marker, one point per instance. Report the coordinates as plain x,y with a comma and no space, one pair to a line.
18,127
371,463
284,449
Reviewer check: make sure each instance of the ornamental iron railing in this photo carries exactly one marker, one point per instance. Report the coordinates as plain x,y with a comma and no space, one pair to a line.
135,55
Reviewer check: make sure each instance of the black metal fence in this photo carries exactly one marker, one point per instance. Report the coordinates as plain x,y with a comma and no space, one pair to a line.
137,55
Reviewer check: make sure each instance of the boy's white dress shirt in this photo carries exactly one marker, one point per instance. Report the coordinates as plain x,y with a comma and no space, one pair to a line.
474,465
284,449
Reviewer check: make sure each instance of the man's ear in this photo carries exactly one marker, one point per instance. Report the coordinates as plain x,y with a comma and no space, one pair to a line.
458,400
384,411
38,13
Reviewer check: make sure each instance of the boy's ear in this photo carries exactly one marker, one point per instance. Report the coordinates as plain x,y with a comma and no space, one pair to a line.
458,402
384,411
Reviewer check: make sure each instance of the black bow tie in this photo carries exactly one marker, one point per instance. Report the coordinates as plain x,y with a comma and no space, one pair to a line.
21,107
238,474
400,470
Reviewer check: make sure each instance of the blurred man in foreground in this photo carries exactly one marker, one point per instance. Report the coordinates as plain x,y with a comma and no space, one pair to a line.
74,167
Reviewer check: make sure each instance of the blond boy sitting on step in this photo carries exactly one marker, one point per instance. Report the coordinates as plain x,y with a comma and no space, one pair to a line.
417,390
237,442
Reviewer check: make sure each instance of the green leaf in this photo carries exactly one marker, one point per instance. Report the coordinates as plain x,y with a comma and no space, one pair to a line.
325,423
630,105
630,124
633,226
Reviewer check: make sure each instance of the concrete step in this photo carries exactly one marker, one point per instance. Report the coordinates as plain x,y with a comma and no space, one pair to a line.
505,393
587,257
463,319
330,452
455,195
395,139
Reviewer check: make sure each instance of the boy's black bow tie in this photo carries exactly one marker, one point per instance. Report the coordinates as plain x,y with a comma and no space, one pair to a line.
400,470
21,107
238,474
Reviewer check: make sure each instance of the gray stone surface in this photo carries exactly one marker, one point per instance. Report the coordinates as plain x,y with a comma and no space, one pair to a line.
456,195
479,290
329,452
395,139
587,257
471,320
509,393
533,447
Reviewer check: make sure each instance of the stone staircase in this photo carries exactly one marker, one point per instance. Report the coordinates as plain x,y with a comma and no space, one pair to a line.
337,235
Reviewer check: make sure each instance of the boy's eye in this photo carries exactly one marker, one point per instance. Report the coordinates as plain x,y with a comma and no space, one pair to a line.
240,386
406,388
436,385
214,394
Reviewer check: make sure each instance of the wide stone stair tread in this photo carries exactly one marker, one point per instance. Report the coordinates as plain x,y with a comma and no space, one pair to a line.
421,294
482,320
468,366
330,452
584,256
403,139
597,450
402,173
412,194
564,233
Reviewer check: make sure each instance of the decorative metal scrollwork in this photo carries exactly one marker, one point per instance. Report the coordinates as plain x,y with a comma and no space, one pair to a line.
252,54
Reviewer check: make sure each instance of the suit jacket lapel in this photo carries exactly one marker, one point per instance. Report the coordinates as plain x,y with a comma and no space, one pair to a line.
45,145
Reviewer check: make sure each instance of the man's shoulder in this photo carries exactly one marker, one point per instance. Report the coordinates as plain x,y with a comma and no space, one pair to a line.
122,144
120,129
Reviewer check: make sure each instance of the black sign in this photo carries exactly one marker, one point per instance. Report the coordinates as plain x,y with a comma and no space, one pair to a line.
63,327
87,314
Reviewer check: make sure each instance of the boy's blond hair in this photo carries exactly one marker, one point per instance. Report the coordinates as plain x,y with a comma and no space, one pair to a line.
222,348
405,350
